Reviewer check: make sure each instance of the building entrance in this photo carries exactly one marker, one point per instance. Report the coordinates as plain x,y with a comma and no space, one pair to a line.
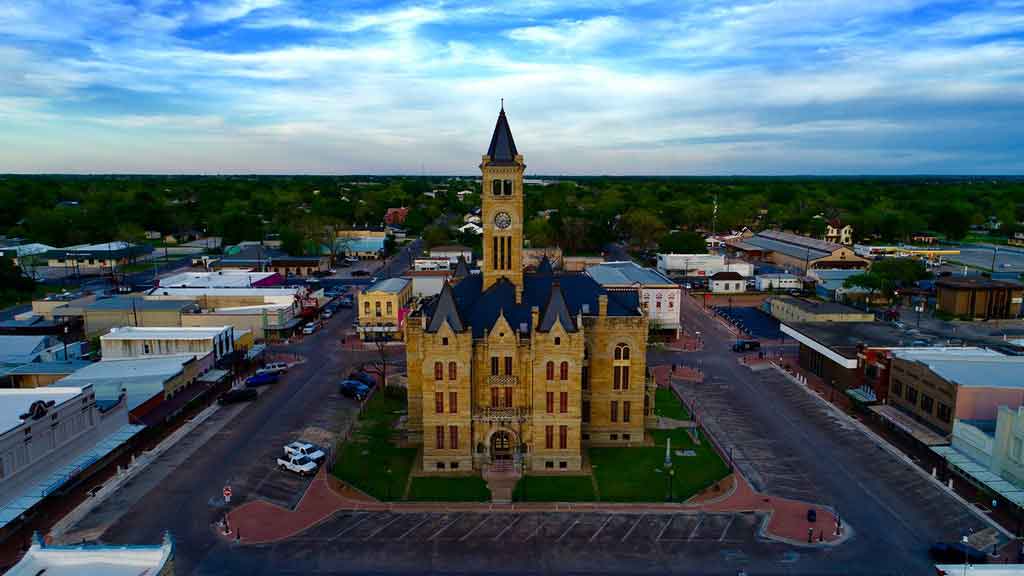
501,446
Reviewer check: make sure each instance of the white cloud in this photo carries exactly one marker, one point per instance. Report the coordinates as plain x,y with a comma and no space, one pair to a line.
574,35
216,11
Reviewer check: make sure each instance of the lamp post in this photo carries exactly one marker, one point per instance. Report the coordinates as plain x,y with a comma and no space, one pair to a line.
65,339
668,467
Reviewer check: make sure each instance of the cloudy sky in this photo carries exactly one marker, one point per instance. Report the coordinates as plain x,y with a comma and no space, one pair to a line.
590,87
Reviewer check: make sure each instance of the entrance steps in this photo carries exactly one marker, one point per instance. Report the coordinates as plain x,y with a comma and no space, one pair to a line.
501,477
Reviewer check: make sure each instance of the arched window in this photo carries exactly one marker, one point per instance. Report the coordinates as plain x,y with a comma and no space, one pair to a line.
622,351
563,371
620,367
496,187
550,370
508,187
453,370
438,371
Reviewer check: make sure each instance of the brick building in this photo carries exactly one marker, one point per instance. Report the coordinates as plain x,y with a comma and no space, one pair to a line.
523,369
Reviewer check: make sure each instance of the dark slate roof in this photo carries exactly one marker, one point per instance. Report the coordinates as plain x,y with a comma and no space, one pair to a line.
503,148
479,309
461,268
556,311
545,266
445,310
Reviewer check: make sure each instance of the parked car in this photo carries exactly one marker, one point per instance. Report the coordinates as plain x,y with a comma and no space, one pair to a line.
345,302
351,259
311,451
275,367
237,395
956,553
360,273
354,389
746,345
326,314
300,465
360,376
261,379
309,328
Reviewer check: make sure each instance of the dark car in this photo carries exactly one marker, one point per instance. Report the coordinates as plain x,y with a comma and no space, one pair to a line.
261,378
746,345
345,302
354,389
956,553
360,273
363,377
237,395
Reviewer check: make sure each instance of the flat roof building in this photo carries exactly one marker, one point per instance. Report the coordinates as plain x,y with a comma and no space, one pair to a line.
42,559
382,309
660,297
132,342
222,279
979,297
789,309
106,313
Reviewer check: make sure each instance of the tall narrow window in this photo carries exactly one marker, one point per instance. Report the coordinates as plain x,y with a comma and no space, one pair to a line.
585,408
494,252
495,394
439,437
508,187
438,402
501,258
508,396
615,411
389,308
453,402
453,371
508,263
625,377
494,365
438,371
549,370
549,437
550,402
496,187
453,437
508,365
616,377
563,437
625,411
620,367
563,402
585,378
563,371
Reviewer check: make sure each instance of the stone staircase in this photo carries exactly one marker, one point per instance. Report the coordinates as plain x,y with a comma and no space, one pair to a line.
501,478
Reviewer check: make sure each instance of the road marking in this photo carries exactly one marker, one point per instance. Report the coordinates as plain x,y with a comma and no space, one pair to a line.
633,527
732,518
445,527
506,528
482,522
700,521
603,524
365,517
537,529
665,527
571,526
386,524
415,526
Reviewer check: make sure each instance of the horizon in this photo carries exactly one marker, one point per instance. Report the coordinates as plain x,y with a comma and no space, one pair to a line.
617,89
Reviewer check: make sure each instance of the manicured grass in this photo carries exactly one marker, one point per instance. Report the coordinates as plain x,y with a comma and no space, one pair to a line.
371,461
449,489
554,489
637,475
667,404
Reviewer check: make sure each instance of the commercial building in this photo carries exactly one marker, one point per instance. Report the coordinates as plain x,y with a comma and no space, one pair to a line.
22,349
788,309
702,265
24,253
772,282
368,248
979,297
660,297
452,253
133,342
433,263
383,307
106,313
427,283
795,252
520,369
94,258
222,279
728,283
52,436
260,258
831,285
42,559
216,298
266,321
36,374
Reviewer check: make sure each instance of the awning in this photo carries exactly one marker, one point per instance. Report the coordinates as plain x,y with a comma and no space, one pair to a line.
906,423
864,395
978,472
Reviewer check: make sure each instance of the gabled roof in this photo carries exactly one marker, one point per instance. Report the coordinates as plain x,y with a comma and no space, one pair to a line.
544,267
503,148
556,311
727,276
461,268
445,311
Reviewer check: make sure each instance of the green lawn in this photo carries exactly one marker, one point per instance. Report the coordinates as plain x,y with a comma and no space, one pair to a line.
636,475
371,461
449,489
554,489
667,404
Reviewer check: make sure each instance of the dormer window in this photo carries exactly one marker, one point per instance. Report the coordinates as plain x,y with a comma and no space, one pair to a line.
558,341
508,187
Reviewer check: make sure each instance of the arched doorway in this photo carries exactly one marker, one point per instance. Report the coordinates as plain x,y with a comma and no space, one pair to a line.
503,445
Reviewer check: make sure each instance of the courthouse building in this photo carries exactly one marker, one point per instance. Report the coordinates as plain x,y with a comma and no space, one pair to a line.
522,369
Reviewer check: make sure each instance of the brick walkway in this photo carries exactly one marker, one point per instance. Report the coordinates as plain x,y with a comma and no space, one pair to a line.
260,522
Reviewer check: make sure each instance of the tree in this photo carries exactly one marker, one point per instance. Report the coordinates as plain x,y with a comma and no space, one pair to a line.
436,236
682,243
888,276
292,242
643,227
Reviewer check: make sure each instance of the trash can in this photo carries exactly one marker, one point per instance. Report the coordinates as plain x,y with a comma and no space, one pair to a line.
812,515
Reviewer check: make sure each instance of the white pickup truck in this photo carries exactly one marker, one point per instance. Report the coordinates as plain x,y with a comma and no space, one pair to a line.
311,451
298,464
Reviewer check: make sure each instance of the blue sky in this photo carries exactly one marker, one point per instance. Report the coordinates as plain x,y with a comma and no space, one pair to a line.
590,87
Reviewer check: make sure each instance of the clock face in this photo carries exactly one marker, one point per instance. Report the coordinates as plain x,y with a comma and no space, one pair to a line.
502,220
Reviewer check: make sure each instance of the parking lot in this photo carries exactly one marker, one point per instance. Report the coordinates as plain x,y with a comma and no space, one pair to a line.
1007,259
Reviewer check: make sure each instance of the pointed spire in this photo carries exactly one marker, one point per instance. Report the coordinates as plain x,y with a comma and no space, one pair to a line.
556,311
544,268
446,311
461,268
503,147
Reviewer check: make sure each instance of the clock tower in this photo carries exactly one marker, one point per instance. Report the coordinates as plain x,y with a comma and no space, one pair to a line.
502,208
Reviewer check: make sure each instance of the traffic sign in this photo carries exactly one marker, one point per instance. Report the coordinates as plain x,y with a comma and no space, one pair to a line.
227,494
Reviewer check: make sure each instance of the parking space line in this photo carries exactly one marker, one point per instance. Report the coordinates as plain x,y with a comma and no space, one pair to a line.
732,518
665,527
445,527
386,524
349,528
571,526
482,522
631,528
506,528
415,526
700,521
536,530
603,524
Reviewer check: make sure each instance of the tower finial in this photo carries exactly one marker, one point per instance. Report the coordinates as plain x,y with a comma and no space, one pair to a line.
502,104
